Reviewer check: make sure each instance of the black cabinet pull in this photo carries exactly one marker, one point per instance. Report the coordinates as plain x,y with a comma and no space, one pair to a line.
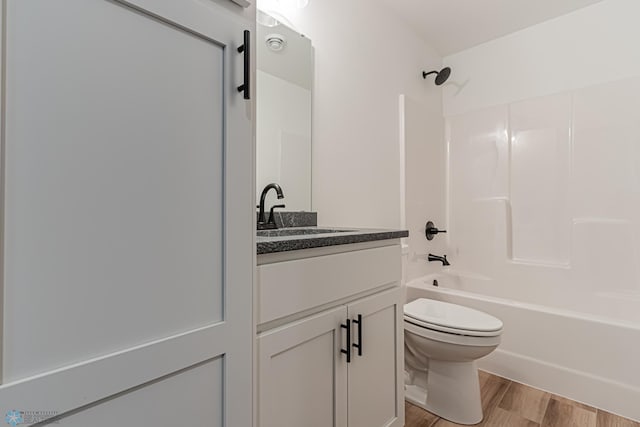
348,350
246,49
359,345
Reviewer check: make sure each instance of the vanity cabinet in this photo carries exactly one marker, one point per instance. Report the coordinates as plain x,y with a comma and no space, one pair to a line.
307,376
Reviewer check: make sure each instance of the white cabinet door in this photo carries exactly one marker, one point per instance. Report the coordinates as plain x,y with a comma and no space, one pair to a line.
376,396
128,214
302,375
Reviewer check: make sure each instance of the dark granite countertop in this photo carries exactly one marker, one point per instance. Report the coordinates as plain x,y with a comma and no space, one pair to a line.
341,236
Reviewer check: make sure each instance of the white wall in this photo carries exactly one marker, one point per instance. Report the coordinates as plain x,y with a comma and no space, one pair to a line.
596,44
544,168
365,58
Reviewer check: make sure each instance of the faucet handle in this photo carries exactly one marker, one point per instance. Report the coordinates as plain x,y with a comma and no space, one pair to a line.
431,230
271,219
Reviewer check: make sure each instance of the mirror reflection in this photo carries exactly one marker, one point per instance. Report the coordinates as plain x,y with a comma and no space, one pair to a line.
284,78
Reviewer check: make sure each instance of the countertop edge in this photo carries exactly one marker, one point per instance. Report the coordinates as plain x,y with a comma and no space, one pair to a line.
319,241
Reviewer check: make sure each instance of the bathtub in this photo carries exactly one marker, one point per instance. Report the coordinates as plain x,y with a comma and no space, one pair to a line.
590,358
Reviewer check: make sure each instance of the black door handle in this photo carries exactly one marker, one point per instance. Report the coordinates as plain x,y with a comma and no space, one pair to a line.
359,345
348,350
246,49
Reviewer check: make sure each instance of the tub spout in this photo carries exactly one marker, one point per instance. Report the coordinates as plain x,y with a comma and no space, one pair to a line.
442,259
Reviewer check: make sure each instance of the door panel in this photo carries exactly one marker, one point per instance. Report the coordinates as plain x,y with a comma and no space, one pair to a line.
128,211
302,375
82,384
375,387
93,204
195,393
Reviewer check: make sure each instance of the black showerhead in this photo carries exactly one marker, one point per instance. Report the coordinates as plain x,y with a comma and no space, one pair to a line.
441,76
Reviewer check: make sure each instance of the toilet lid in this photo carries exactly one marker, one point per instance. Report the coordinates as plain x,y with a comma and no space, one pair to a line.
451,316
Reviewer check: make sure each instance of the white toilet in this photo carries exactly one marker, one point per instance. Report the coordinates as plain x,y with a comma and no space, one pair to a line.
442,343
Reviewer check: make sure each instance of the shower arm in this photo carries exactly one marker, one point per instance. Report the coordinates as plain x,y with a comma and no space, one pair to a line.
425,74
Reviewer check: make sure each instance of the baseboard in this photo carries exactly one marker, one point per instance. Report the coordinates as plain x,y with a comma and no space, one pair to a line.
611,396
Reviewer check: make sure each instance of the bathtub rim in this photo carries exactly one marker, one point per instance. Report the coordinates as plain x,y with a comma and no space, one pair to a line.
422,283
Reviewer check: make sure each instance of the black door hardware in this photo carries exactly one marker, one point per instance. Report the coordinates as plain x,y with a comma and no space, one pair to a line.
246,49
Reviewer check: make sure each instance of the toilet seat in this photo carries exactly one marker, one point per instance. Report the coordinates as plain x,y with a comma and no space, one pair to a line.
447,330
447,337
451,318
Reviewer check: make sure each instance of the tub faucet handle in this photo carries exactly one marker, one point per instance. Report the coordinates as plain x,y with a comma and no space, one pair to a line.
430,230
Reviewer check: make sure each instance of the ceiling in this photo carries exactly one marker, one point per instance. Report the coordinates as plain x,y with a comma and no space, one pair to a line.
454,25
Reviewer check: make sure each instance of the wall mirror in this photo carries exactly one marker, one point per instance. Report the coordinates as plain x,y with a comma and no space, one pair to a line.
284,79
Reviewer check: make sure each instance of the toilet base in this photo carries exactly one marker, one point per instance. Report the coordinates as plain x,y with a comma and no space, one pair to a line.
452,393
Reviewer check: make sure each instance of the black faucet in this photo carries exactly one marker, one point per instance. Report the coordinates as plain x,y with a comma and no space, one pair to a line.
262,222
442,259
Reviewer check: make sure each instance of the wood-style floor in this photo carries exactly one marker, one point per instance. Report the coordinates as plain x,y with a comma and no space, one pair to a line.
509,404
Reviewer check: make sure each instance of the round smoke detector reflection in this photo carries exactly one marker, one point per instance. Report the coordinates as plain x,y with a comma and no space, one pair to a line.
275,42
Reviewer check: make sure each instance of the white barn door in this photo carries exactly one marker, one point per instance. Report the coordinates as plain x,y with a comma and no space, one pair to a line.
128,214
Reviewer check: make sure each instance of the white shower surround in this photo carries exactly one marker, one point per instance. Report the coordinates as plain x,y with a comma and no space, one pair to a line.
595,366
